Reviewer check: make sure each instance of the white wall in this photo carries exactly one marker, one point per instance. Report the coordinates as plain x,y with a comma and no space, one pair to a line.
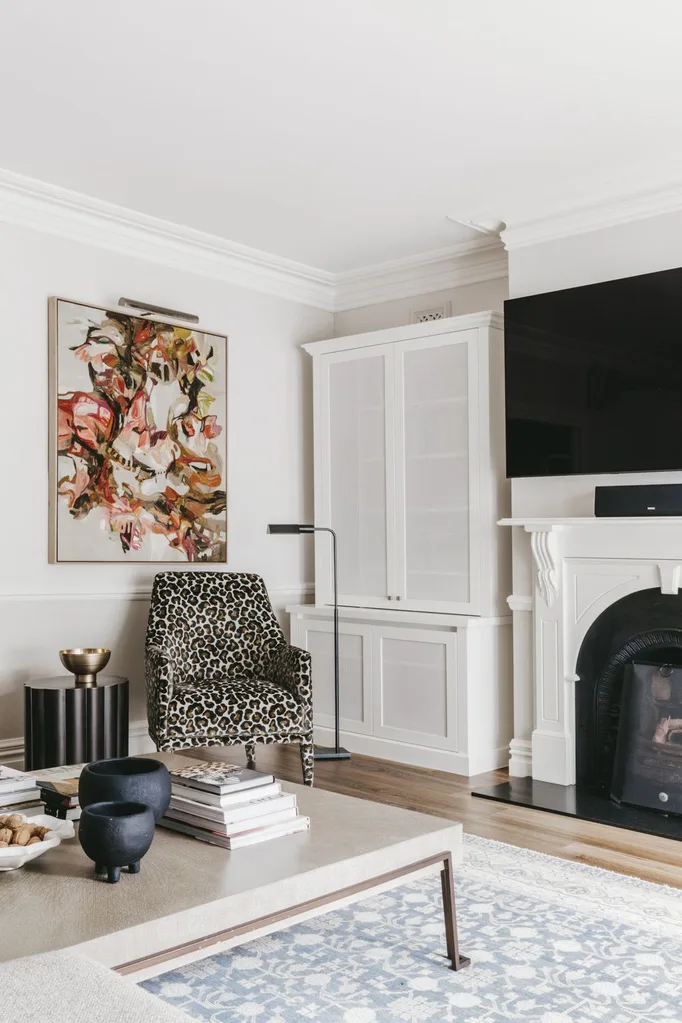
44,607
639,247
470,298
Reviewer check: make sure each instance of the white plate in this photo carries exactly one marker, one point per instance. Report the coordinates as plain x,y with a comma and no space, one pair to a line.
17,855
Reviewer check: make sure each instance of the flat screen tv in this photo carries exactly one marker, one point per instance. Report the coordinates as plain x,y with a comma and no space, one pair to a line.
593,378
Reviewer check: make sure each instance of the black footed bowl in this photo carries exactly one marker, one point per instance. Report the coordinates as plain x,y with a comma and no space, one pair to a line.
129,779
116,835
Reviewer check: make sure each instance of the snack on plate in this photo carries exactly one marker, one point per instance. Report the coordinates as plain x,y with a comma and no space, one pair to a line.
14,830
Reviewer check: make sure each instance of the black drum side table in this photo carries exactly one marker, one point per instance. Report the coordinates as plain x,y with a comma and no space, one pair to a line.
69,724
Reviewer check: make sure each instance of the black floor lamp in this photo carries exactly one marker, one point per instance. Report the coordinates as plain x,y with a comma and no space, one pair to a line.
335,752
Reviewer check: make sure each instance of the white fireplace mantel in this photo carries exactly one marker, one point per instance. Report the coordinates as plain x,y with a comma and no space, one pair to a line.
581,567
532,525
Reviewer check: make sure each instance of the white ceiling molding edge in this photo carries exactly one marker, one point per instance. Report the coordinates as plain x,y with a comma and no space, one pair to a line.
595,216
467,263
27,202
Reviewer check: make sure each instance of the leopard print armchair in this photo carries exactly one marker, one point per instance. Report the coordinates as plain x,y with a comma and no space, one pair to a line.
219,670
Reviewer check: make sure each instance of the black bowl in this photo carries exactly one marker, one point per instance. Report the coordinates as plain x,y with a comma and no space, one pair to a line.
126,779
116,835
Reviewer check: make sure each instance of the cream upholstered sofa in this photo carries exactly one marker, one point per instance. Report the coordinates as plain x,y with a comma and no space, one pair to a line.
61,987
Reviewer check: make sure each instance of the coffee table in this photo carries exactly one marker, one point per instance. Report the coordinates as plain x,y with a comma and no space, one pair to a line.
192,899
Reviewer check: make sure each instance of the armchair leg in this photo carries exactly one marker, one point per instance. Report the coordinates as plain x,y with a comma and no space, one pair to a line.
308,758
250,754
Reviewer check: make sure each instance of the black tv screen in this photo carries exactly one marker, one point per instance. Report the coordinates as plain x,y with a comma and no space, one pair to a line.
593,378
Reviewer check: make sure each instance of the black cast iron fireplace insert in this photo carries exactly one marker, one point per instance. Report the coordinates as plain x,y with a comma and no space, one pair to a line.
648,763
644,626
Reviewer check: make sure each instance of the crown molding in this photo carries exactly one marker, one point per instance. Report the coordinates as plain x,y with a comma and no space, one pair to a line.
438,270
389,335
27,202
595,216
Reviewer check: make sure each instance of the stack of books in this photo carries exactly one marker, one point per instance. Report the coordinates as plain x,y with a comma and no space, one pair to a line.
59,793
51,790
19,793
230,806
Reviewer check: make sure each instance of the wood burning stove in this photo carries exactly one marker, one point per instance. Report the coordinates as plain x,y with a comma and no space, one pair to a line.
647,768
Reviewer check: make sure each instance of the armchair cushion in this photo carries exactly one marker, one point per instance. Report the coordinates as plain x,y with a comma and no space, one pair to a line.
238,709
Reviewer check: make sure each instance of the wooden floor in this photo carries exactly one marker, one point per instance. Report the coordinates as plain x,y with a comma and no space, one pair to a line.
449,795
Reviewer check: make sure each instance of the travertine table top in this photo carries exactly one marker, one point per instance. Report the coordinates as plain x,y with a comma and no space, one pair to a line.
188,889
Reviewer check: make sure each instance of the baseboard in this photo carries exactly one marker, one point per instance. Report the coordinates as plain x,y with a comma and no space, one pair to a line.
138,738
12,750
488,760
400,752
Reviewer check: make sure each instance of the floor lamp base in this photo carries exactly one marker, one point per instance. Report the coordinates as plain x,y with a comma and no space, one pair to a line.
330,753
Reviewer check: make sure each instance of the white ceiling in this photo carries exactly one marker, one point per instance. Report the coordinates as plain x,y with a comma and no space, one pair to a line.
340,133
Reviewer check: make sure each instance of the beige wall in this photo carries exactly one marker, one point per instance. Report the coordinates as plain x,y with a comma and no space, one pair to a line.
471,298
44,607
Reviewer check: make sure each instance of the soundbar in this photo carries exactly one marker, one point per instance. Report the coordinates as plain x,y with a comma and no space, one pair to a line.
651,499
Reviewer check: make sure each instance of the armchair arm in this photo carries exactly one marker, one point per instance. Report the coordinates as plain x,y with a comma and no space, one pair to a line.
158,687
291,668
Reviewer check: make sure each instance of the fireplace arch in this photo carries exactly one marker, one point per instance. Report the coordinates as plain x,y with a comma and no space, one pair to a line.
645,625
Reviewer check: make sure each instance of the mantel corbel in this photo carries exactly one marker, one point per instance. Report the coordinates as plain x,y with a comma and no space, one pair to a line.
543,544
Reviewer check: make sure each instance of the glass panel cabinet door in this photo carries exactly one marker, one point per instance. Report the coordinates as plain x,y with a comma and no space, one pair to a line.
434,424
359,396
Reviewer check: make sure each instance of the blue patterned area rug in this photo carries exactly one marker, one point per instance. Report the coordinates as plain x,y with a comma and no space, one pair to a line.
551,941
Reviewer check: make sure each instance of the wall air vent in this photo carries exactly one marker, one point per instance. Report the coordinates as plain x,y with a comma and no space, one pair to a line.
437,312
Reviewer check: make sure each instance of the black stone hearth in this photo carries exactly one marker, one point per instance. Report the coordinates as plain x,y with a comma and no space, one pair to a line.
584,804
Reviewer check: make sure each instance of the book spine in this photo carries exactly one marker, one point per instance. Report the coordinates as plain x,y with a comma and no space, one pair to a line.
51,798
219,828
191,832
19,807
62,813
248,838
8,799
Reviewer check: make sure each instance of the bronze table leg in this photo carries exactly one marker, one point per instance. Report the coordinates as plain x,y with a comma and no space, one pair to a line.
457,961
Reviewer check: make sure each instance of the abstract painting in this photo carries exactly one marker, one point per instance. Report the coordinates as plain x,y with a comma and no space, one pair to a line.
139,441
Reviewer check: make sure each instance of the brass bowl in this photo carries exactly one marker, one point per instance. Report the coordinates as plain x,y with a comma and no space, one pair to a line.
85,663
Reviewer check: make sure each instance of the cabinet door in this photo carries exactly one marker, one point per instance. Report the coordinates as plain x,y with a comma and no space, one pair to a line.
414,682
317,636
354,484
436,421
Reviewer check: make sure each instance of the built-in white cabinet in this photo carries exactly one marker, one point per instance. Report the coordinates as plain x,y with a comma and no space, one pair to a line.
409,472
427,689
409,467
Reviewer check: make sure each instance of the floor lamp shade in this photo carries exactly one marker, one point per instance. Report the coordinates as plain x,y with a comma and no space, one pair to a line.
288,528
324,752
